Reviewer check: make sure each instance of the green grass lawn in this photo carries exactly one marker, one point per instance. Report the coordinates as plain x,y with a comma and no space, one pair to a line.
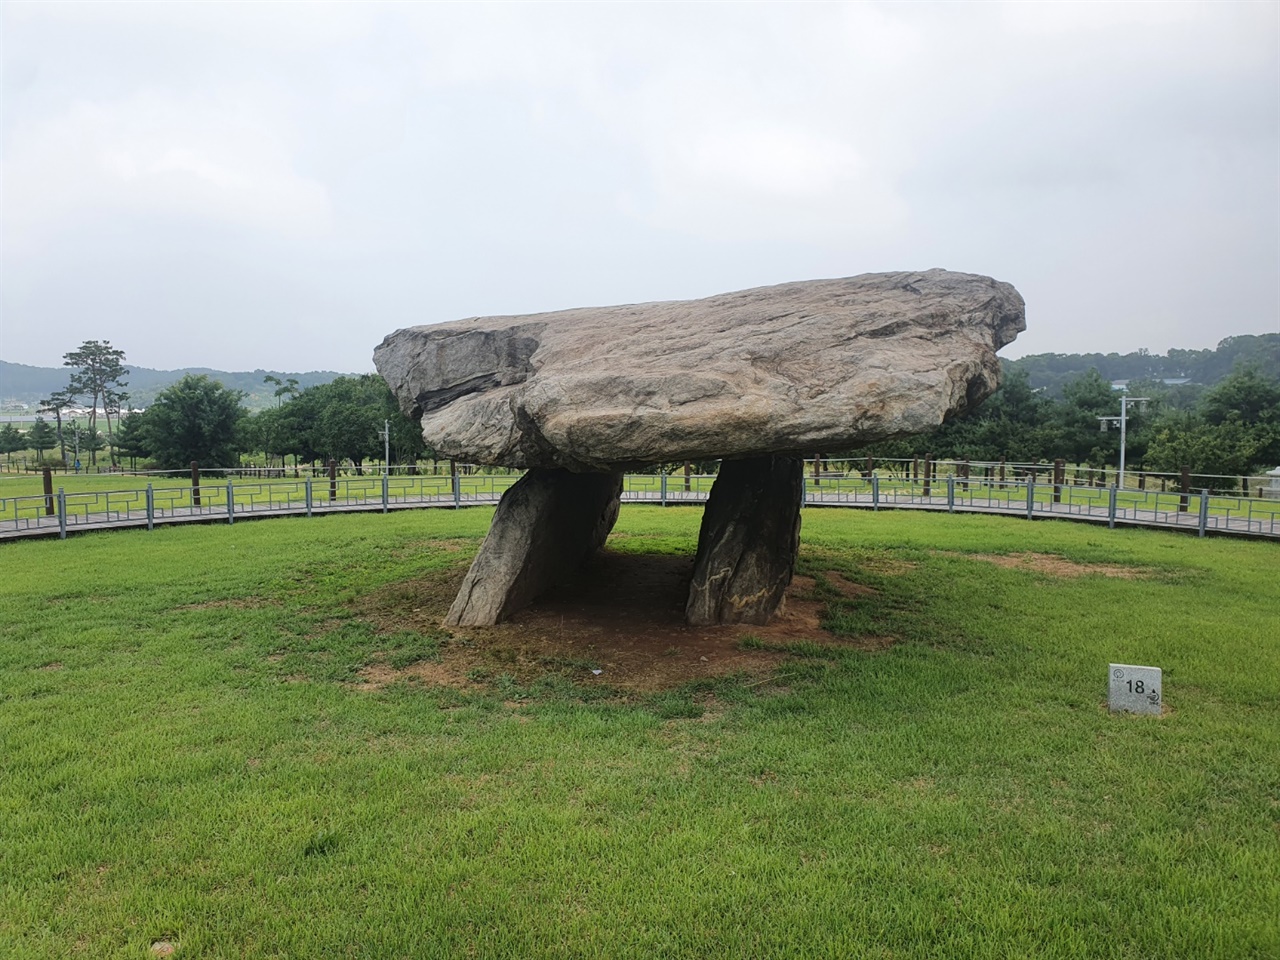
184,757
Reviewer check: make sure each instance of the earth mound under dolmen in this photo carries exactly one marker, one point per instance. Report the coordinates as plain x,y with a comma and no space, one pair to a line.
758,378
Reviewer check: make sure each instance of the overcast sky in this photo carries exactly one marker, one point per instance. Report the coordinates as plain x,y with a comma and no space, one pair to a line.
280,185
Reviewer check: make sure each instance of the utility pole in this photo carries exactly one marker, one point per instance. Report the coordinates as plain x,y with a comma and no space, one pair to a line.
385,433
1123,420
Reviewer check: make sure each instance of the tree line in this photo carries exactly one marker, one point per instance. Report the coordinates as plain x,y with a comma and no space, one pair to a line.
1231,428
200,419
1051,371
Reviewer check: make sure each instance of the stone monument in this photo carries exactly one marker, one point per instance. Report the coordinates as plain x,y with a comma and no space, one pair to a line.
757,378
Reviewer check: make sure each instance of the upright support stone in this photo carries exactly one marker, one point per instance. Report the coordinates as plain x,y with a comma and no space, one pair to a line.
748,542
547,523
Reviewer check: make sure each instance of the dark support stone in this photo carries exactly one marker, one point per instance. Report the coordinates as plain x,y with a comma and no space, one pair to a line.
748,542
546,525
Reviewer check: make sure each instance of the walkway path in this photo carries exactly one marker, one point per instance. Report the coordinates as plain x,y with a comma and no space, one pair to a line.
228,501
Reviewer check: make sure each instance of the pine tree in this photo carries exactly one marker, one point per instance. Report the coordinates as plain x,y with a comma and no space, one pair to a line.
41,438
99,375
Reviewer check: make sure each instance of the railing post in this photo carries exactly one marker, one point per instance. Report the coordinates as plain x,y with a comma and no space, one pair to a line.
308,489
664,485
1204,511
1111,506
231,502
1031,496
48,492
195,483
951,493
333,480
875,492
386,491
151,508
62,514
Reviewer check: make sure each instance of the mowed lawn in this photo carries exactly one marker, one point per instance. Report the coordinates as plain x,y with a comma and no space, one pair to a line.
187,761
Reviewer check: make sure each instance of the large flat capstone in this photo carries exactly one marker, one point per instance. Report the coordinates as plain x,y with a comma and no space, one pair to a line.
757,379
790,369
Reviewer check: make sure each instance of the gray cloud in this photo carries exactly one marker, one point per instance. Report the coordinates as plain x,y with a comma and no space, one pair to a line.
280,185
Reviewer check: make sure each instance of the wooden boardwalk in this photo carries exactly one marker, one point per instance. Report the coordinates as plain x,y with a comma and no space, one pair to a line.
1088,505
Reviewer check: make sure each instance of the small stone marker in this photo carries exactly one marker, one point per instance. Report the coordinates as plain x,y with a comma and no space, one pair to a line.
1135,689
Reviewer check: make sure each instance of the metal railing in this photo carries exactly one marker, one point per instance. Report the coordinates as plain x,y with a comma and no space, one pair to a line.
229,499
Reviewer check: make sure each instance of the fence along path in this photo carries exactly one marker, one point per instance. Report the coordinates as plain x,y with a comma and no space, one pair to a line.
228,500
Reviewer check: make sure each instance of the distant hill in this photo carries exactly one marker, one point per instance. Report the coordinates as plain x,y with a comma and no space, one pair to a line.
20,383
1206,367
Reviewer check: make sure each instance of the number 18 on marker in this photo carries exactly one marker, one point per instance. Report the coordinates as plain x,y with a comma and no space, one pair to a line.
1135,689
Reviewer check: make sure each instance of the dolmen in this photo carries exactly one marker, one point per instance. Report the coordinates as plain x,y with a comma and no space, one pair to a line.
758,379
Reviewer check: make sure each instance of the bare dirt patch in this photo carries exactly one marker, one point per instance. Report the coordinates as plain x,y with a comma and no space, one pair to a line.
622,615
1056,566
847,588
888,566
380,673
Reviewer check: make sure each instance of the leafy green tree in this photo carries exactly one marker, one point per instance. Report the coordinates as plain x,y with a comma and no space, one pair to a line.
98,375
41,438
1015,423
407,443
343,420
11,441
1245,396
1080,439
1228,449
1251,400
194,419
264,431
131,437
351,416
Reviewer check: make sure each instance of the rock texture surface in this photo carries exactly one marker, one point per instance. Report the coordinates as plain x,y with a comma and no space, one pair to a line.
789,369
755,378
546,525
748,542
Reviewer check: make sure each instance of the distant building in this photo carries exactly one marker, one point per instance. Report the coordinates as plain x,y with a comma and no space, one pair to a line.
1123,385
